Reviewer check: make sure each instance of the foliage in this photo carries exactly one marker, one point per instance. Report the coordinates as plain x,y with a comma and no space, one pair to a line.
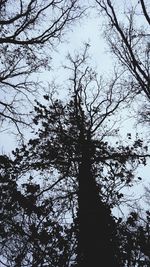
135,240
58,189
30,232
84,171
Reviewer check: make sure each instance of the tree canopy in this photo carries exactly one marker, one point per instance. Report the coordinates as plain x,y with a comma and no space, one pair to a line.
83,174
59,188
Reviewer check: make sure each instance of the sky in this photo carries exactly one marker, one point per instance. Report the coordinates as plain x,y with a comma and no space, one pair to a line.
89,30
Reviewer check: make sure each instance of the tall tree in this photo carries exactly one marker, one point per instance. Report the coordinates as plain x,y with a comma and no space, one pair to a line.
86,172
29,30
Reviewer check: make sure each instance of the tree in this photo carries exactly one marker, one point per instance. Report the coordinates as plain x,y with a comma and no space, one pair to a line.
29,32
31,234
135,235
86,172
127,36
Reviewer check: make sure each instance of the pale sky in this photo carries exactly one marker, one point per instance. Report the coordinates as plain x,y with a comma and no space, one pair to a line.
89,30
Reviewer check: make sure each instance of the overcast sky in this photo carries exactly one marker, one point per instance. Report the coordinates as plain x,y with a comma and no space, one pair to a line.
90,31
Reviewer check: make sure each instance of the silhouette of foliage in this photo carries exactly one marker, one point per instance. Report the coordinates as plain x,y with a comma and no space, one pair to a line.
30,232
135,236
84,172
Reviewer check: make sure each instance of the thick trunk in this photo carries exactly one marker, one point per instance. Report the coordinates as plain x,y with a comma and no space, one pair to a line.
96,244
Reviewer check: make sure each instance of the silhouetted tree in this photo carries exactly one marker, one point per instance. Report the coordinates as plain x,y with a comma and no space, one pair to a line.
85,172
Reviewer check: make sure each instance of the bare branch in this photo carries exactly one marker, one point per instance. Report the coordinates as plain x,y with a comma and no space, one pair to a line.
28,33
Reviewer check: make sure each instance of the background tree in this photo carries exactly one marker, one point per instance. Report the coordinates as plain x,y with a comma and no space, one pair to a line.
85,172
29,32
127,33
134,239
31,234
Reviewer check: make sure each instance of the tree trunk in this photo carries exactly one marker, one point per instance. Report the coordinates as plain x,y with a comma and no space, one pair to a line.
96,243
